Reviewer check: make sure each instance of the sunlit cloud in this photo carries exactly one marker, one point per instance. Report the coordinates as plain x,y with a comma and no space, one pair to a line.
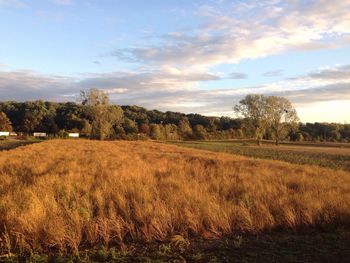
172,89
249,31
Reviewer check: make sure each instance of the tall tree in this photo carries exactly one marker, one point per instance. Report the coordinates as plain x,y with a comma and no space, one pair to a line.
5,123
156,132
282,117
253,109
200,132
104,117
185,129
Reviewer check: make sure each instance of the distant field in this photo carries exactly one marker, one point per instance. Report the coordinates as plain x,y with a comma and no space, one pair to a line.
331,155
146,201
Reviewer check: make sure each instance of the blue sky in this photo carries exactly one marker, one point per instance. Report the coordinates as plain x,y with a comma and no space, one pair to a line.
189,56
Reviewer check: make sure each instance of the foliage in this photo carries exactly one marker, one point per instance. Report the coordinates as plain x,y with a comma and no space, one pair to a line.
95,117
185,129
104,117
255,111
268,115
282,117
5,123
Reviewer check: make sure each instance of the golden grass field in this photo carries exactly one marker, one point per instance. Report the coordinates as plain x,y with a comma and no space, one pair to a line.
66,195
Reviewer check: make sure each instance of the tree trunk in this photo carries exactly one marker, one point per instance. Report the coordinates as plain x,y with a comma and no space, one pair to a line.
258,141
277,142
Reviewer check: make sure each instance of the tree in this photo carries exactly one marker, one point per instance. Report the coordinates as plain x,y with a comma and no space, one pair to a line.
34,113
5,123
71,116
104,117
156,131
253,109
200,132
170,132
144,128
130,126
185,129
282,117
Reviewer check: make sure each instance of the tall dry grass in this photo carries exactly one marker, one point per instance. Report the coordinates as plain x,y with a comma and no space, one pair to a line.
67,195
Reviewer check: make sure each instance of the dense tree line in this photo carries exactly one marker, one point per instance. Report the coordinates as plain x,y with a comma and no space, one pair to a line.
95,117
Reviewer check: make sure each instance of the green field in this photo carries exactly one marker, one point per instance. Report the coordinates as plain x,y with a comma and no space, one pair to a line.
331,155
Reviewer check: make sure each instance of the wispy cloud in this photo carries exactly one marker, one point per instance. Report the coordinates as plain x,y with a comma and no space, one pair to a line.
238,75
64,2
338,73
14,3
248,31
173,89
274,73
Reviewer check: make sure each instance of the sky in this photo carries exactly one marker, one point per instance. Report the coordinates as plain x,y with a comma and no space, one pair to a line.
199,56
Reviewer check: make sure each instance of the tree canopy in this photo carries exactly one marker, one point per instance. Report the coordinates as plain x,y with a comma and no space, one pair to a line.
272,113
5,123
95,117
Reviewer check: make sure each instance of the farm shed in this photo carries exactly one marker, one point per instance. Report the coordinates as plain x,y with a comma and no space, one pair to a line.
73,135
39,134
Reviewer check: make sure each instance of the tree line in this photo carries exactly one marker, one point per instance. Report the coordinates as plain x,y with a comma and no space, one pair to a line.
258,117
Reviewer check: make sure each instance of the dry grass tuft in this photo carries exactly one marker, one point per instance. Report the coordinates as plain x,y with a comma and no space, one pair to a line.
66,195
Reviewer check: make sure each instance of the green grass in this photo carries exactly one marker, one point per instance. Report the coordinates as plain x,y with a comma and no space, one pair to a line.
329,156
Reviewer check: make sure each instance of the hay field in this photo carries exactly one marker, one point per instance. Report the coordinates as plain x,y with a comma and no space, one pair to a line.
69,195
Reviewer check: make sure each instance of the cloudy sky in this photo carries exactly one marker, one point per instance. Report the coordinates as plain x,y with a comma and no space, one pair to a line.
191,56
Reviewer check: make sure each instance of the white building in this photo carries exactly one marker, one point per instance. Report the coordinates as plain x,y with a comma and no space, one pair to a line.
39,134
3,133
73,135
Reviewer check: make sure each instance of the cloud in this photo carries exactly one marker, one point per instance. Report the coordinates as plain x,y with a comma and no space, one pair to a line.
14,3
64,2
238,75
341,72
235,32
26,85
332,92
274,73
174,89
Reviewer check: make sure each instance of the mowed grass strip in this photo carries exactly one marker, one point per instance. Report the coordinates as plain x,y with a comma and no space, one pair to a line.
68,195
328,156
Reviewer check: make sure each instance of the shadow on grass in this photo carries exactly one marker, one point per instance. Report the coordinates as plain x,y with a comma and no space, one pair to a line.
6,145
273,247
